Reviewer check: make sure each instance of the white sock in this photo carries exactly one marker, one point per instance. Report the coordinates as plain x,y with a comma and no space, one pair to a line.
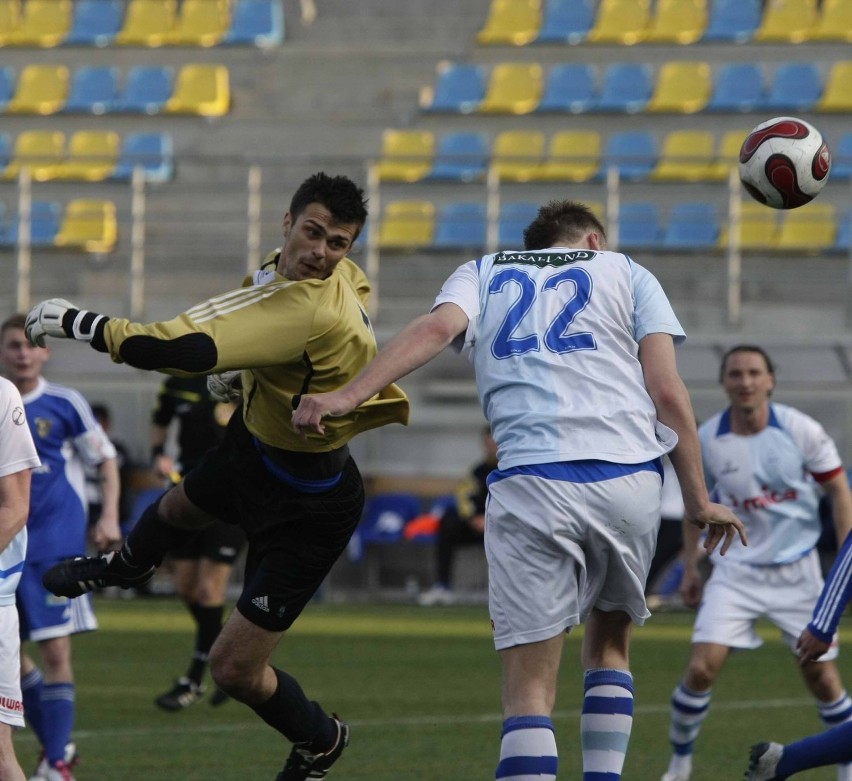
527,750
606,723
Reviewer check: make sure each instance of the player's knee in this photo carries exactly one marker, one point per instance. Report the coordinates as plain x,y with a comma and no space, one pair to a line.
234,676
700,675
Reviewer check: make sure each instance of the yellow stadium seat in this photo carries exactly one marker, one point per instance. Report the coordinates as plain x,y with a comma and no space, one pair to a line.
621,21
682,88
517,155
573,155
686,156
200,23
407,155
728,154
835,21
147,23
511,22
407,225
41,89
809,229
837,95
787,21
203,89
514,88
42,151
10,18
88,225
678,21
91,156
44,23
758,227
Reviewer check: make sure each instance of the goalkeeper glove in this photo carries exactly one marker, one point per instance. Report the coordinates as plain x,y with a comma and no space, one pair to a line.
61,319
226,386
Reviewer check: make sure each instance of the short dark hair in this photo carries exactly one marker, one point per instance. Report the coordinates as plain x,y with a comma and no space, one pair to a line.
339,194
18,320
559,221
746,348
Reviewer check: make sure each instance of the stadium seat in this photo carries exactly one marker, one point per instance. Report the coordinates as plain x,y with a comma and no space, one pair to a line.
462,155
835,22
95,23
146,89
810,229
692,226
790,21
88,225
511,22
621,22
461,226
566,21
843,239
733,21
94,90
41,89
200,23
841,157
44,23
513,88
570,88
383,521
460,88
5,150
406,155
42,151
517,155
7,86
728,153
795,86
758,227
738,86
91,156
686,156
407,225
152,151
639,226
838,88
147,23
626,87
44,224
10,18
201,89
632,152
572,155
256,23
681,88
677,21
514,219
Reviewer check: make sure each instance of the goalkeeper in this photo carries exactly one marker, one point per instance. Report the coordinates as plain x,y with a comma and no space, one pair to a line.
299,328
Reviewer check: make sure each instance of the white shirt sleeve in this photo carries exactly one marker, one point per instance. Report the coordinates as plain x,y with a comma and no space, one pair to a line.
652,312
462,289
17,450
818,449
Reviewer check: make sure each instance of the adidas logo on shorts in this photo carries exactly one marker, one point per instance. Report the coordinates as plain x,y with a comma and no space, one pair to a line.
262,603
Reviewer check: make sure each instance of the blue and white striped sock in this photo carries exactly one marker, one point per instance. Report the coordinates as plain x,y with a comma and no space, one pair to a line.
527,750
606,723
833,714
689,709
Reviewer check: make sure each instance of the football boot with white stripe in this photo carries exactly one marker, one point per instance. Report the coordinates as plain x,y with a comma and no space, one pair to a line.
763,762
303,764
73,577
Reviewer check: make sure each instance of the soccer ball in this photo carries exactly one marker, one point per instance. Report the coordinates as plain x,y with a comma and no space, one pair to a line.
784,163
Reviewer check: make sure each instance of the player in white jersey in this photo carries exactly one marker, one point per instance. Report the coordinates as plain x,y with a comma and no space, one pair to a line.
765,461
18,458
66,436
574,354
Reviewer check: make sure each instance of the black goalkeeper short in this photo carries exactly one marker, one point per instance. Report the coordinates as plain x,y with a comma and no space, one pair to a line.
218,541
294,536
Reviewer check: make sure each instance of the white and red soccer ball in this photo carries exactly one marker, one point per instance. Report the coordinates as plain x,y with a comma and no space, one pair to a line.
784,163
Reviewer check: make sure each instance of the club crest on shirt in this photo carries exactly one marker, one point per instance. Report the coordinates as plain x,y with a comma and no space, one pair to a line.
43,426
542,259
18,416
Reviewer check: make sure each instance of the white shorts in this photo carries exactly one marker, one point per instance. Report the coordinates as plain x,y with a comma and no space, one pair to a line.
737,595
11,703
558,549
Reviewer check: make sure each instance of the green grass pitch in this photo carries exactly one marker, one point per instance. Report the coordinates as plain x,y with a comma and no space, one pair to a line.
420,688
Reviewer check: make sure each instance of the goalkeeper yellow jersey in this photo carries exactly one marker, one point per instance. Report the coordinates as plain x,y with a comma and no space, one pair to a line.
289,338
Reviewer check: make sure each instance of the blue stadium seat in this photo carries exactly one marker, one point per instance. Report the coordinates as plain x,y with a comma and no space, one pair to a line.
566,21
796,86
461,155
841,157
7,86
733,20
146,90
256,23
843,237
738,87
514,218
5,150
93,90
45,217
627,86
383,521
633,152
639,226
570,87
460,89
692,225
95,23
461,226
152,150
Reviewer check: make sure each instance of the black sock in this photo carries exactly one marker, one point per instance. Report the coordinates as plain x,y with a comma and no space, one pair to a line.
151,538
298,719
208,622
